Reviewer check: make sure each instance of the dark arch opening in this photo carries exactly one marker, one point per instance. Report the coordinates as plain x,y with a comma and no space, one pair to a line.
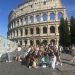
52,41
44,42
52,29
31,42
44,30
37,42
37,30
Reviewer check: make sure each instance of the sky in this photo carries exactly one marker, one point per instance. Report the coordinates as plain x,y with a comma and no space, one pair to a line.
7,5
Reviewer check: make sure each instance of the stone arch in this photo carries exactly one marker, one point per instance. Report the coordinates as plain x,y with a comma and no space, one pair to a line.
25,42
44,30
26,19
44,17
26,31
31,30
52,29
37,42
31,42
21,32
37,30
52,41
17,32
32,19
52,16
38,18
60,15
14,33
44,42
20,42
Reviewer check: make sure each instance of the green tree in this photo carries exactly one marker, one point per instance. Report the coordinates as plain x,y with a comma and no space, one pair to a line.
72,30
64,33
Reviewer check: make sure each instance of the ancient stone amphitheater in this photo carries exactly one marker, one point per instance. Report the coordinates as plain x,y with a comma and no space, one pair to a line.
36,21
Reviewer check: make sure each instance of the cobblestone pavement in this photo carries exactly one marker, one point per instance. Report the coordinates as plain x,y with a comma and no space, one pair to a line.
15,68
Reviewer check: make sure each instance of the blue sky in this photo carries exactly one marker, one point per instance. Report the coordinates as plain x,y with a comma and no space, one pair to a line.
7,5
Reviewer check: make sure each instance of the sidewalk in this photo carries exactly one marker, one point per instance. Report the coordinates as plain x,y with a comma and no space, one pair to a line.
14,68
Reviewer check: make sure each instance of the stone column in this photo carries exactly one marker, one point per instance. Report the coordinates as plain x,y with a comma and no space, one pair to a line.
19,22
35,19
56,29
13,24
48,18
34,30
57,41
29,31
23,43
65,14
48,40
41,40
24,22
48,29
56,16
23,31
16,23
34,42
28,42
19,32
41,17
29,20
41,30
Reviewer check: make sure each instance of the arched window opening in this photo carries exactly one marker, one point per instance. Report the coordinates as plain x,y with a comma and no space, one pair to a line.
21,32
44,30
14,33
26,19
44,17
21,21
60,15
18,22
52,16
25,42
31,30
44,42
20,42
38,18
31,42
17,32
37,42
26,31
37,30
52,29
32,19
52,41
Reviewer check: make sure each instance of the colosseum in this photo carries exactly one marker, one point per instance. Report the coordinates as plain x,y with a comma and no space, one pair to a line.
36,21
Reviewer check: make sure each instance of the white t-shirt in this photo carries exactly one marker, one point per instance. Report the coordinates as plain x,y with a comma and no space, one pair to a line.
19,48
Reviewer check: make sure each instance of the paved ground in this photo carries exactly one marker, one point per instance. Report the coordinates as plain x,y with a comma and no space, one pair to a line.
14,68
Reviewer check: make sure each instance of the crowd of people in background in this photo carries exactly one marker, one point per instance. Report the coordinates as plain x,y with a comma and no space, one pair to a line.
41,55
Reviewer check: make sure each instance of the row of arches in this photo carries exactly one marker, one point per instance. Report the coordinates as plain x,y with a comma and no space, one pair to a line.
30,31
38,17
38,42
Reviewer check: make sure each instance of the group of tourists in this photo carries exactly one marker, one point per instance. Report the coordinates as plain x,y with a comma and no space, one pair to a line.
41,55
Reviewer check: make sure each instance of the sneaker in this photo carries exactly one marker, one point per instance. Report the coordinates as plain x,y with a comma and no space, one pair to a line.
29,67
72,61
61,64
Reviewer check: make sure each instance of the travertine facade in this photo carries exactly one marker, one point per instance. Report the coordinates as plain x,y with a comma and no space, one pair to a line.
36,21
